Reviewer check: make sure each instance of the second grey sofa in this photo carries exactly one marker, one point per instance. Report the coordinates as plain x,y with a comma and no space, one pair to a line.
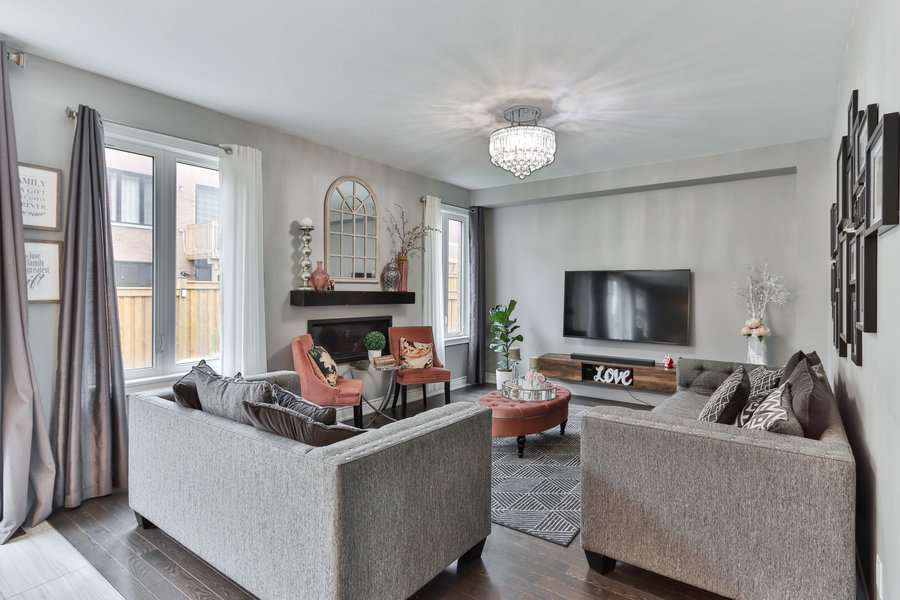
373,517
751,515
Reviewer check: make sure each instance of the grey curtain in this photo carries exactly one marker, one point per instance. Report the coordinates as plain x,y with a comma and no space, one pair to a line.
26,460
478,310
90,444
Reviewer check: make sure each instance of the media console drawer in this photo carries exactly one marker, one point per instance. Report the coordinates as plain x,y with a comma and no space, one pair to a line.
633,377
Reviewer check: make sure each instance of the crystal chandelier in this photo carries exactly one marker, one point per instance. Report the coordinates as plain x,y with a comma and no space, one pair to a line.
523,147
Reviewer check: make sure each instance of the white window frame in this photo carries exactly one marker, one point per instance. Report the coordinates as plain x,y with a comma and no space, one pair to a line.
167,152
462,215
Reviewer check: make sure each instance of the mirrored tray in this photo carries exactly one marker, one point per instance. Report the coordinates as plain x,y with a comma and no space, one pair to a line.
514,390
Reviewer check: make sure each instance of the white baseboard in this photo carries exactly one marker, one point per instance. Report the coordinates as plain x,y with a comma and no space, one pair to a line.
415,393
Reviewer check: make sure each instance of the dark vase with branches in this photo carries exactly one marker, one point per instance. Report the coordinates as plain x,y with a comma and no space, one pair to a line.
503,335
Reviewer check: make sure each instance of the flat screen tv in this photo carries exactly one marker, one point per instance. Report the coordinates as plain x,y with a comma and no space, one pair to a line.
629,306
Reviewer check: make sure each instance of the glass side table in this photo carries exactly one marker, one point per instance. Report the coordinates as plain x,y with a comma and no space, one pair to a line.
391,373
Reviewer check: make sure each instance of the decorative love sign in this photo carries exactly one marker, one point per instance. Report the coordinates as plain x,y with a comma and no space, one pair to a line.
620,376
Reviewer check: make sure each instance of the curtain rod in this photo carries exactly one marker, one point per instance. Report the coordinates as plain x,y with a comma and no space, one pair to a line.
16,57
73,114
422,199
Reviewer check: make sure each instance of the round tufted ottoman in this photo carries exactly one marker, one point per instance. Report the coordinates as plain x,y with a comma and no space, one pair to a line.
516,418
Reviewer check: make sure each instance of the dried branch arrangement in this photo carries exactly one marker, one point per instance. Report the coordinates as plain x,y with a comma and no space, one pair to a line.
760,289
406,239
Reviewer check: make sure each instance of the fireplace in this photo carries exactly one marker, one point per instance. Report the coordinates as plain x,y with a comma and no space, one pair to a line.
343,338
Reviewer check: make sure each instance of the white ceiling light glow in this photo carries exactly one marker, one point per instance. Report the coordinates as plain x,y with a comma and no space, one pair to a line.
524,146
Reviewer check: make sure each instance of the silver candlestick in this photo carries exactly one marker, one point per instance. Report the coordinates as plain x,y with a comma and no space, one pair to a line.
305,251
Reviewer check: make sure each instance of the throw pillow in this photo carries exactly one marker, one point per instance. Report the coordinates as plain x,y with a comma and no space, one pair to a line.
185,389
774,413
294,425
325,367
223,397
792,363
811,399
728,399
763,380
415,355
288,399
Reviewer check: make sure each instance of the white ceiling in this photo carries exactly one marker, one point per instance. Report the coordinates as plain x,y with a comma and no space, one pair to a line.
420,84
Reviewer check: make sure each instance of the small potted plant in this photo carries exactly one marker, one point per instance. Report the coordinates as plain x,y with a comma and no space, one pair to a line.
503,336
374,343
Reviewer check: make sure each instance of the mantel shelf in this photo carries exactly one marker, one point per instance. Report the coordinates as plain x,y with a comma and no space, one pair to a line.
349,298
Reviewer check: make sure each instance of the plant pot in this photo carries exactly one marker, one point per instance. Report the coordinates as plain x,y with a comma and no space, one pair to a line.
502,377
373,354
403,266
756,350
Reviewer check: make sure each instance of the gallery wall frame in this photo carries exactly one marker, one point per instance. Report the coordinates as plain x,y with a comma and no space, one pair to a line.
40,193
882,175
43,270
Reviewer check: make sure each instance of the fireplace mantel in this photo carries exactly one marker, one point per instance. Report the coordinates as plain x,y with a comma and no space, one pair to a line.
349,298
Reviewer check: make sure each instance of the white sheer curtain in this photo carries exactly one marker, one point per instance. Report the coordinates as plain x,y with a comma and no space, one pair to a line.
243,296
433,275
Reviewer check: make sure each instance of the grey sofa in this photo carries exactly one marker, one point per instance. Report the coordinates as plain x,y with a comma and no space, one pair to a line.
746,514
375,516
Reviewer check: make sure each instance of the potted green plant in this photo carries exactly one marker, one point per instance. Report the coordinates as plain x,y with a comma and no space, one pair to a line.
374,343
503,336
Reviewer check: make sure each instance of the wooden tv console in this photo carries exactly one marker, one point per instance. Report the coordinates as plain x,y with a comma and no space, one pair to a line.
631,377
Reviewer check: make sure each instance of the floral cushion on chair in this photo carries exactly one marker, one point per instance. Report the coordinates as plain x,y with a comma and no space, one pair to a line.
416,355
325,367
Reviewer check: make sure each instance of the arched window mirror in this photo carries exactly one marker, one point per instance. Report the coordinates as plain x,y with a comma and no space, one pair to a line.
351,243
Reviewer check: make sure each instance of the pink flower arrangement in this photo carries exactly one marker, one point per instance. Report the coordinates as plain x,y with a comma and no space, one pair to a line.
756,328
534,379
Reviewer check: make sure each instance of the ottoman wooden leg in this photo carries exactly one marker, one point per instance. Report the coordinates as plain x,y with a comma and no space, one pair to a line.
562,427
520,443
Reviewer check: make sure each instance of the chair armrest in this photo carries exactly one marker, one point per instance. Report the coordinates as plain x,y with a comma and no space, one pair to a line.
718,507
414,493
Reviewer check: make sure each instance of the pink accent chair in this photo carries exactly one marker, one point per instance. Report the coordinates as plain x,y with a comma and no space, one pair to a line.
408,377
348,392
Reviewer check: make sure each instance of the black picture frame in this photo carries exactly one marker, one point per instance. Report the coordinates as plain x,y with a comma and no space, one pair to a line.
847,319
853,262
866,123
839,295
868,282
858,208
834,232
859,129
856,349
883,175
852,110
841,198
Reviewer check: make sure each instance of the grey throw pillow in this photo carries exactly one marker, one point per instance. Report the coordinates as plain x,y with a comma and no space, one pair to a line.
185,389
811,399
224,397
296,426
774,413
763,380
288,399
792,363
728,399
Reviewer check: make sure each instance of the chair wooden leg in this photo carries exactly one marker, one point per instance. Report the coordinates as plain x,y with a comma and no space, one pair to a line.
520,445
600,562
424,398
403,391
446,392
357,415
562,427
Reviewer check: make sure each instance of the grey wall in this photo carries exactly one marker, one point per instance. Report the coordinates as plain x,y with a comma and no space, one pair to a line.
868,394
297,174
717,230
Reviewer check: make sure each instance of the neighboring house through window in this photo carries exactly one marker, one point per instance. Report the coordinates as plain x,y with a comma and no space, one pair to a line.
456,272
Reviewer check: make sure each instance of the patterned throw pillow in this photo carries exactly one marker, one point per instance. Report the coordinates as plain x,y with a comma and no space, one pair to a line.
763,380
325,367
415,355
728,399
774,413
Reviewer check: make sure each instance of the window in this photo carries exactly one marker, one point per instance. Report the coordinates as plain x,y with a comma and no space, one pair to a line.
164,213
456,272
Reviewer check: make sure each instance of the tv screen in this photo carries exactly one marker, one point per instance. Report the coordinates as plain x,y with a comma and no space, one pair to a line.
628,306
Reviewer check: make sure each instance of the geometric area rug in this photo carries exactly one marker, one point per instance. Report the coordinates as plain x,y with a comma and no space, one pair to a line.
540,494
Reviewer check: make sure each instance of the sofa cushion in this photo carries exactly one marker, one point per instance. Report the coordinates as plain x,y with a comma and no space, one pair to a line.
295,425
223,397
288,399
774,413
763,380
684,403
185,389
812,399
728,399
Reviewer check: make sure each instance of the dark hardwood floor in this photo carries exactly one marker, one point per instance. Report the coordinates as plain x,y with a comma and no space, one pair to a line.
148,564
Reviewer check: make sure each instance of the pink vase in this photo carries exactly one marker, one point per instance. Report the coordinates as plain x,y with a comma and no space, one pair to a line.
403,265
319,278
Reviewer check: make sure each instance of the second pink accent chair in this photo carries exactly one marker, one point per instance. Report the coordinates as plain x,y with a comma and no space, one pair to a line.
408,377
